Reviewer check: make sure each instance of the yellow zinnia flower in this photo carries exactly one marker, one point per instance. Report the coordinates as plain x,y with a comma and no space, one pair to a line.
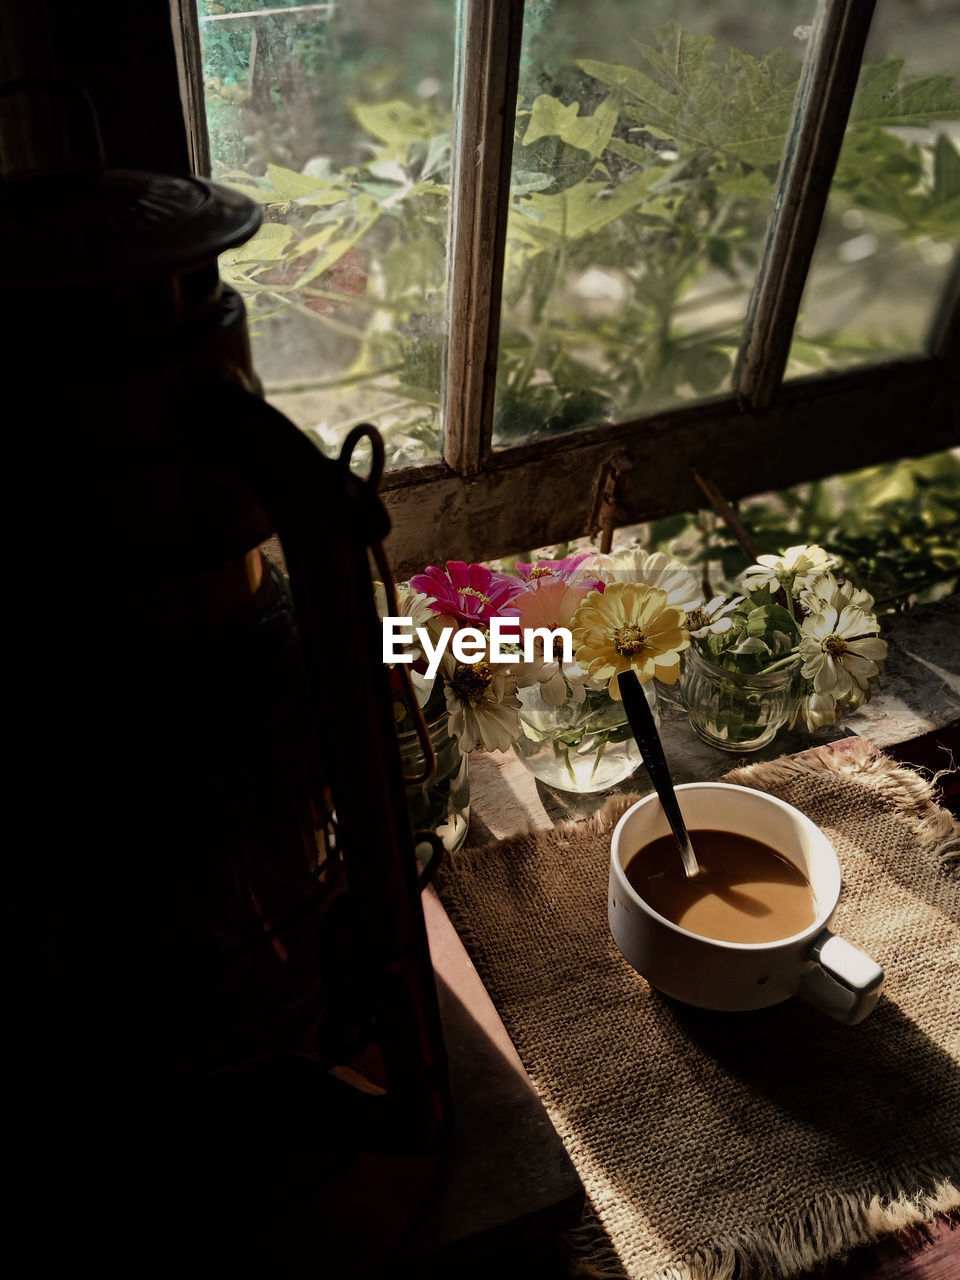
628,627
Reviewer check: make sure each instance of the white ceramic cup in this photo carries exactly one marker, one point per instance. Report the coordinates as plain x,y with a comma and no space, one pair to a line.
831,973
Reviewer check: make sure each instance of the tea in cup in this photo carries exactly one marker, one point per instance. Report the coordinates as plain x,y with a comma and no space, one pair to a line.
752,929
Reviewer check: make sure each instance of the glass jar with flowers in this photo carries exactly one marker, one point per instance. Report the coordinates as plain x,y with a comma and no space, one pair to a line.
466,706
575,734
797,641
655,569
560,711
439,802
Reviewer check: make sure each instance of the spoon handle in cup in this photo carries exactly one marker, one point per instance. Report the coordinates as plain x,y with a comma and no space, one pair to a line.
645,733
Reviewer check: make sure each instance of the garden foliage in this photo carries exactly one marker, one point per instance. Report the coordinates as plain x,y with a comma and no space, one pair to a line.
661,172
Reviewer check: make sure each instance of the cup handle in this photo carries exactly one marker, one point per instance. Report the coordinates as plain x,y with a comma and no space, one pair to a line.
842,980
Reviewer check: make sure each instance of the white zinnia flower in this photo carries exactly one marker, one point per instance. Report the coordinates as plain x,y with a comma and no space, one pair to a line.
559,681
411,604
822,709
826,592
793,569
818,710
655,568
482,704
712,618
841,653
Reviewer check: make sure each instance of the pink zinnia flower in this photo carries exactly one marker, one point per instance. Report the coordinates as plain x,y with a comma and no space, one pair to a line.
549,602
567,571
472,593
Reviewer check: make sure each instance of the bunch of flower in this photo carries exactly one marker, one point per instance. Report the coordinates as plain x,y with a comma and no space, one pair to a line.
624,612
794,612
633,610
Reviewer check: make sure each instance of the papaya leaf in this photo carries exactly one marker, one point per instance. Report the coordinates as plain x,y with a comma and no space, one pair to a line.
881,100
523,181
368,212
249,187
582,210
436,159
630,151
752,183
268,245
587,133
741,106
414,265
324,199
880,171
561,165
632,81
396,123
681,57
290,185
704,367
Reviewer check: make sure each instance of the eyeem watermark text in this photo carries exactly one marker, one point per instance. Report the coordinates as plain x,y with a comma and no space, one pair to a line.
470,645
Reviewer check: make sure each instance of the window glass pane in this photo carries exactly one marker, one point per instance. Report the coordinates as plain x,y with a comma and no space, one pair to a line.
892,223
647,145
336,118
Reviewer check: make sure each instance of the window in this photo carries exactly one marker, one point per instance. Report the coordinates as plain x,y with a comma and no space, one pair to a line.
578,259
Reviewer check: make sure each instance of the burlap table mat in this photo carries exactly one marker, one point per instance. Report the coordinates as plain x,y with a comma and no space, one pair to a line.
715,1146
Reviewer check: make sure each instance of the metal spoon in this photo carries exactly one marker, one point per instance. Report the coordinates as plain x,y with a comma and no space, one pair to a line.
651,748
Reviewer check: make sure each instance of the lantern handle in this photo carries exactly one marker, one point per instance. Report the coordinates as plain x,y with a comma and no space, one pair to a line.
420,725
366,431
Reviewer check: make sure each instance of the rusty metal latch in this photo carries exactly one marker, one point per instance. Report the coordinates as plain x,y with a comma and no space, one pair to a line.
607,512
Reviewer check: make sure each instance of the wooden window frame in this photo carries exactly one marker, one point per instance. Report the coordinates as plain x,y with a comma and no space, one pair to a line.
479,502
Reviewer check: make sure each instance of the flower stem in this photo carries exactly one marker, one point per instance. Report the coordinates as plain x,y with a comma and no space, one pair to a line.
561,750
788,594
573,776
781,662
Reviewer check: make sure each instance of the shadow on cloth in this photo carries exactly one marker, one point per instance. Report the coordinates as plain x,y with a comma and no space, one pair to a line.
867,1075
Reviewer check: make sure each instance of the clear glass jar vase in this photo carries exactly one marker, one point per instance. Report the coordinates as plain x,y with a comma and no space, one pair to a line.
581,747
441,805
733,710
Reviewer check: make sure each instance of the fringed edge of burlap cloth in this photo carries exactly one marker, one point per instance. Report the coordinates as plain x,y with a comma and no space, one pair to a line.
829,1227
903,788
